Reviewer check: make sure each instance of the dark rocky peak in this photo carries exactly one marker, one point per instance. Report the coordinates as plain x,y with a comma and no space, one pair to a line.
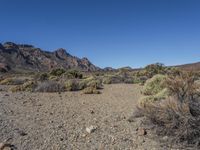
1,46
25,46
10,45
61,53
85,59
109,69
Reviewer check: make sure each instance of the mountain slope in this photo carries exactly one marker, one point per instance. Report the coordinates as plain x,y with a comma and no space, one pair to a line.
26,57
191,67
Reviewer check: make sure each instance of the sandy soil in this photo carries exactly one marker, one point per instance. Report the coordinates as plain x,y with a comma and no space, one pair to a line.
53,121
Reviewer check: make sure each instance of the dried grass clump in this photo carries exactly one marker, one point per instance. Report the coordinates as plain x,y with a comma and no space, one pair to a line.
27,86
12,81
50,86
91,90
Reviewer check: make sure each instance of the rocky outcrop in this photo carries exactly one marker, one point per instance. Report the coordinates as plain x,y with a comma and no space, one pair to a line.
26,57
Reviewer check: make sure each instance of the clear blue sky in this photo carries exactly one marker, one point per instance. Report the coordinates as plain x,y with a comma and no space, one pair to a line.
112,33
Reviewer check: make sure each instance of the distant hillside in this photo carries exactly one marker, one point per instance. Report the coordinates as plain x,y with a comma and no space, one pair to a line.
191,67
25,57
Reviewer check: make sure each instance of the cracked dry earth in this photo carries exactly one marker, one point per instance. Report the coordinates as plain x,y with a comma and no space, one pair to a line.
53,121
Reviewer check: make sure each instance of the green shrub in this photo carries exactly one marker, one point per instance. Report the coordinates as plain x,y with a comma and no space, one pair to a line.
178,115
43,77
145,100
153,69
57,72
154,85
74,74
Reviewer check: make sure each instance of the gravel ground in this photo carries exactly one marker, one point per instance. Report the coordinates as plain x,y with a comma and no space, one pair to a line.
53,121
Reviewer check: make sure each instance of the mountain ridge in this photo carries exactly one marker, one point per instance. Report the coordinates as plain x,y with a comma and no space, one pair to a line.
27,57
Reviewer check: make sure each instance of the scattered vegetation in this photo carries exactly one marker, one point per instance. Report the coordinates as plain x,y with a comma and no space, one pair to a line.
178,114
57,72
91,90
12,81
28,86
50,86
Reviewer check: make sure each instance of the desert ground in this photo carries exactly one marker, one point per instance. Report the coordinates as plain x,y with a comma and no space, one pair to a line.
58,121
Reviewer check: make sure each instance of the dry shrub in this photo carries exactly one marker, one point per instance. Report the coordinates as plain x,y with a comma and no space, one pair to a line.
12,81
91,90
50,86
93,82
178,116
180,121
74,85
112,79
27,86
183,86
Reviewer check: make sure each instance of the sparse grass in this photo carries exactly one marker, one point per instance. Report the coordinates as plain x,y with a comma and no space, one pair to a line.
27,86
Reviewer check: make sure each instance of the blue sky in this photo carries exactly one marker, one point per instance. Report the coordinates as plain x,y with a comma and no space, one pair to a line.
112,33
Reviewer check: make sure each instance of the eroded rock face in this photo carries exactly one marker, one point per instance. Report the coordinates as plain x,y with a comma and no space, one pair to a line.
27,57
4,67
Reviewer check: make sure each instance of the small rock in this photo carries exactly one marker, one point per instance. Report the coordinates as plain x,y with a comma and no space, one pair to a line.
84,135
165,138
131,119
91,129
6,95
141,131
5,146
22,133
92,112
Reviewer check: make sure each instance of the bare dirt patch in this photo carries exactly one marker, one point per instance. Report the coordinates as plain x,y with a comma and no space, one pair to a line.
41,121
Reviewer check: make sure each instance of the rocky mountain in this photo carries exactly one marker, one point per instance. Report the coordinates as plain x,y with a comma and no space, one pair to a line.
23,57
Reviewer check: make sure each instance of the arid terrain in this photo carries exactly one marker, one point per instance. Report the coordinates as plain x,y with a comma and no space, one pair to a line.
53,121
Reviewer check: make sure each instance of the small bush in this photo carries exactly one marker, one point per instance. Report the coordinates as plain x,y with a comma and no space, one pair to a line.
163,94
74,74
57,72
74,85
93,82
153,69
50,86
177,116
43,77
112,79
154,85
27,86
12,81
91,90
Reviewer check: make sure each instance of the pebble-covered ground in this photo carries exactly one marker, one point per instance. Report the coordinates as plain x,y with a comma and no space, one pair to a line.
74,121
